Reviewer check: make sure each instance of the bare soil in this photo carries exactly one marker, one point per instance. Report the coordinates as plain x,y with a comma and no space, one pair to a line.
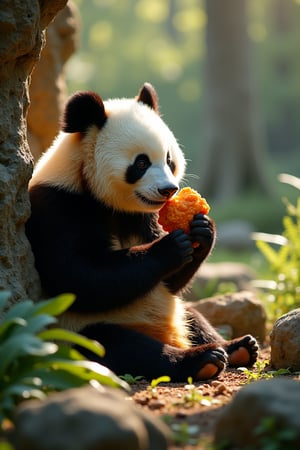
192,411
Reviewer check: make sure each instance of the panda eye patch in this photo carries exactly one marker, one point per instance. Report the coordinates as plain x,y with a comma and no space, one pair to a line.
168,158
138,168
170,163
142,162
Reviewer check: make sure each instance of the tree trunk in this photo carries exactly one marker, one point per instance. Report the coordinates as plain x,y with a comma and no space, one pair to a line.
48,89
21,37
232,158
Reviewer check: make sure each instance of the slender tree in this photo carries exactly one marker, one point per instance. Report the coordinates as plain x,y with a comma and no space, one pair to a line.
232,151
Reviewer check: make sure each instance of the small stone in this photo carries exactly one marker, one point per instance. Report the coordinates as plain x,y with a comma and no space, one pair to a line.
285,342
157,404
219,388
142,400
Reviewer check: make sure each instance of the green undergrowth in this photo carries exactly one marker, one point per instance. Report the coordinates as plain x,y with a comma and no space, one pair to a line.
282,254
37,357
275,259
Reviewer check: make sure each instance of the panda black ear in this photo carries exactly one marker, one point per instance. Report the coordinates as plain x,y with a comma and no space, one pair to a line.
148,95
82,110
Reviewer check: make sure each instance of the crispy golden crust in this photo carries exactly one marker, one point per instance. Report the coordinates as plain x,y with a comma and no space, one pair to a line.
179,211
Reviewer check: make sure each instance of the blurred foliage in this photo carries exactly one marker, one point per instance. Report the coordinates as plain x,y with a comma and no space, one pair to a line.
284,260
126,42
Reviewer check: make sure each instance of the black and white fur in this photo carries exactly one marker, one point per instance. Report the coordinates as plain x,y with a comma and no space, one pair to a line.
95,195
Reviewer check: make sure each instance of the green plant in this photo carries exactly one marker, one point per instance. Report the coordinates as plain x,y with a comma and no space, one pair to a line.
36,360
260,373
130,379
155,382
284,263
194,396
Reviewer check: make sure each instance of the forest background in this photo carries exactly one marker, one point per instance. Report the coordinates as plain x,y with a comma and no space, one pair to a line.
126,42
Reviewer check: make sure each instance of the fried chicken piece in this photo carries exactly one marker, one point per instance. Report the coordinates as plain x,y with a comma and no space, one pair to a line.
179,211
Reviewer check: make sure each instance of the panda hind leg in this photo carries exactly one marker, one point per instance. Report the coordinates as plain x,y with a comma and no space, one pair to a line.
242,351
128,351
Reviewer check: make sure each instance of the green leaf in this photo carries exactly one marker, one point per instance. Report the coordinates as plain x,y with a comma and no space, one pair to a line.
35,324
130,379
25,391
21,309
55,306
89,370
57,379
36,347
23,344
74,338
163,379
7,324
67,352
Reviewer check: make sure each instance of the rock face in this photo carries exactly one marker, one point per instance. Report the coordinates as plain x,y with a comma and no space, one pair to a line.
21,37
241,310
87,419
48,90
271,405
285,341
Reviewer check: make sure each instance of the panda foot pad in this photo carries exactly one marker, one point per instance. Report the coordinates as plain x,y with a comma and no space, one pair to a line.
239,357
242,352
215,361
208,371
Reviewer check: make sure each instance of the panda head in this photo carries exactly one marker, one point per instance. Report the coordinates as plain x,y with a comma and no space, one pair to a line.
123,151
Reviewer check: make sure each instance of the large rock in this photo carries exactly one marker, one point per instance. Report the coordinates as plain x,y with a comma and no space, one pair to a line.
271,405
48,90
87,419
285,341
243,311
21,36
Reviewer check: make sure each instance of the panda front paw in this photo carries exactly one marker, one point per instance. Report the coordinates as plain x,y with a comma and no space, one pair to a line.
174,250
202,232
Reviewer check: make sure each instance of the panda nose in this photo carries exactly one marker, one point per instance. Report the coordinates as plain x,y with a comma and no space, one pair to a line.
168,191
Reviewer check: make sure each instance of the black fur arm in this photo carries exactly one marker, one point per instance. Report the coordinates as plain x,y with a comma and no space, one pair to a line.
73,248
111,280
203,232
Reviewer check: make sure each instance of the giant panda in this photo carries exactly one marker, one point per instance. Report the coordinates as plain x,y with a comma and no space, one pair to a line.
95,196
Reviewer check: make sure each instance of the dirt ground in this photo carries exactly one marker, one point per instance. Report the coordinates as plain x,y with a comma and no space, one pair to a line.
191,410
